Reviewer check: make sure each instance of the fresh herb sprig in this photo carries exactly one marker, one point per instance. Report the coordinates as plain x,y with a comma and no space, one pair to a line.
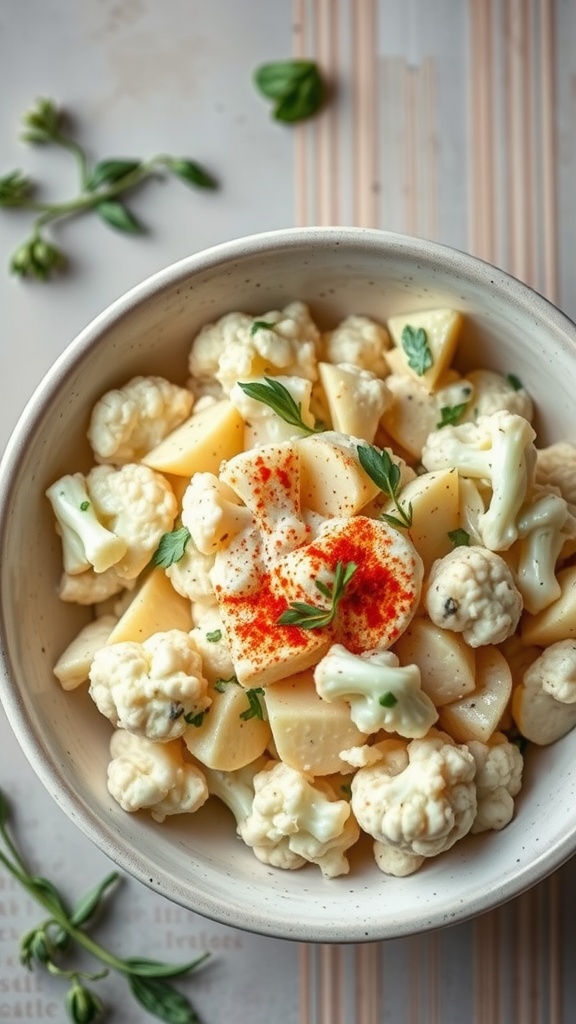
100,188
51,943
296,88
418,352
387,475
277,397
255,707
451,414
311,616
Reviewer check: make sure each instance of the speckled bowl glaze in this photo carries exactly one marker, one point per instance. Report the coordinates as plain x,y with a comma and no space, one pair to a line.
197,861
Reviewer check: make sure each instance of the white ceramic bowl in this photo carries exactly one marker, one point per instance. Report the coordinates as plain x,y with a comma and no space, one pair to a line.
196,860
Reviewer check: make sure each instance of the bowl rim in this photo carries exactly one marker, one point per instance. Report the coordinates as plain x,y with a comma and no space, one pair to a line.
466,267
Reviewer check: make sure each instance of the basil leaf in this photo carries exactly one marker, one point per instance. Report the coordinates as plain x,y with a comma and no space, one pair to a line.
107,172
118,216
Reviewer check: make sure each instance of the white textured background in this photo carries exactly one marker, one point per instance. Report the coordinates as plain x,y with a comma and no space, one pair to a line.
452,119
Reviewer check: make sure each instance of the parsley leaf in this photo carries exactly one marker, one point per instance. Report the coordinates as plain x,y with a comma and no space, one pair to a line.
254,709
460,538
214,636
261,325
450,414
171,547
514,382
388,700
417,349
196,719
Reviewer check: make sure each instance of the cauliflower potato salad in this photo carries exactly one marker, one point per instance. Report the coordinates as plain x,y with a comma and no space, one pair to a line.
333,584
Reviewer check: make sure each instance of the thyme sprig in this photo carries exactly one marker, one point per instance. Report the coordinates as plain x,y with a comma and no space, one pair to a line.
50,945
387,475
100,188
312,616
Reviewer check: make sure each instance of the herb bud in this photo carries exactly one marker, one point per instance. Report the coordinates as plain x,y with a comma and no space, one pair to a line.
82,1005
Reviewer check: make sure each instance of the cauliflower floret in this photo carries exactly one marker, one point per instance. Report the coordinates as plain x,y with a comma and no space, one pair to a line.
556,670
86,542
212,513
498,780
138,506
495,393
497,448
210,640
128,422
556,467
153,777
236,788
190,575
420,798
239,347
471,591
90,587
150,688
544,525
393,861
294,820
360,341
381,693
544,705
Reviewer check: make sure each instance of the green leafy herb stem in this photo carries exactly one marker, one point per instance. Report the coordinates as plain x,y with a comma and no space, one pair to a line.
295,87
311,616
277,397
387,475
48,945
100,186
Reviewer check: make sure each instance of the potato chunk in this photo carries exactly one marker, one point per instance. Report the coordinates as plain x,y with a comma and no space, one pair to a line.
224,739
477,715
435,512
442,328
332,481
447,664
558,620
309,732
155,608
200,443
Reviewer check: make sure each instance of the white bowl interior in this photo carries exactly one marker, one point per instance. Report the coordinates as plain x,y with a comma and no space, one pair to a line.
197,860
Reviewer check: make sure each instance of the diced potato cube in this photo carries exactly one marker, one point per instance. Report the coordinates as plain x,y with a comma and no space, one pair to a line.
442,328
73,665
309,732
332,481
224,740
447,664
355,406
539,717
558,620
200,443
434,498
477,715
155,608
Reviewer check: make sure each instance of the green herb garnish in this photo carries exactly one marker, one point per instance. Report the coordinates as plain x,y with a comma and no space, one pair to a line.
171,547
84,506
295,87
460,538
450,414
387,475
52,943
214,636
277,397
311,616
197,719
100,186
261,325
417,349
388,700
514,382
221,684
254,709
